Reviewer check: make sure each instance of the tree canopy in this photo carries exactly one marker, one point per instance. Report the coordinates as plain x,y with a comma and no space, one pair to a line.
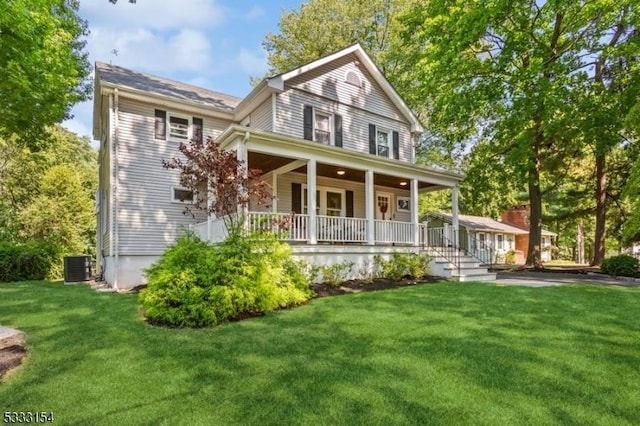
43,65
534,79
49,194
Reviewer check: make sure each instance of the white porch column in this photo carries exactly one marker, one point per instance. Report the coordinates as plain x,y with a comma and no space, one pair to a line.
414,212
274,192
311,200
454,216
243,155
369,207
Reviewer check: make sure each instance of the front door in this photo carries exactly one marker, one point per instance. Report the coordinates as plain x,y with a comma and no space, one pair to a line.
384,207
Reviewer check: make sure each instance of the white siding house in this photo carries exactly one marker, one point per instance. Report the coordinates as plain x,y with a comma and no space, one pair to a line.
332,137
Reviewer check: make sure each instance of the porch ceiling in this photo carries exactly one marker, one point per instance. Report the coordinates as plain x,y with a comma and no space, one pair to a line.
267,163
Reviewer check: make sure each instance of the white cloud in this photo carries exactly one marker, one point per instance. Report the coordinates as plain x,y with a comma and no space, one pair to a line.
255,12
252,62
154,14
163,54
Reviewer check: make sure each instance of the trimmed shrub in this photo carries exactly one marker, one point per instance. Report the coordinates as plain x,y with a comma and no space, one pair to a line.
402,265
195,284
336,274
510,257
622,265
33,260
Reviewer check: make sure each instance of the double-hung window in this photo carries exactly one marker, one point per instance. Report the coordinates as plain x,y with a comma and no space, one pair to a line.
482,241
322,127
179,127
329,201
500,242
382,143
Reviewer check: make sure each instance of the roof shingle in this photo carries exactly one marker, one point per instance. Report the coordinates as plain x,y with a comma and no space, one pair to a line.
124,77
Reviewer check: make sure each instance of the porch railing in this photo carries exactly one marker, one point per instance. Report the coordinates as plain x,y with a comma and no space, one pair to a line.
341,229
285,226
442,242
389,231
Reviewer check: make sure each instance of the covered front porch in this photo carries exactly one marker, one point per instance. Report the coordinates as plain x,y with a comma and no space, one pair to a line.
329,195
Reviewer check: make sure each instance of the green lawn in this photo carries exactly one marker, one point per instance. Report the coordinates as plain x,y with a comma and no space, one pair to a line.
433,354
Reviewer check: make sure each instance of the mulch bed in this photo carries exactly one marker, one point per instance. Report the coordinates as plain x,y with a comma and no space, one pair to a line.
358,286
12,353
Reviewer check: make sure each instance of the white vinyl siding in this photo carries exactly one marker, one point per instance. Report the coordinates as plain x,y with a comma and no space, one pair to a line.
359,209
261,117
355,122
148,220
329,82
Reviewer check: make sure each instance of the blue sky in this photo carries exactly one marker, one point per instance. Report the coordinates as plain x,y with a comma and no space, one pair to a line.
216,44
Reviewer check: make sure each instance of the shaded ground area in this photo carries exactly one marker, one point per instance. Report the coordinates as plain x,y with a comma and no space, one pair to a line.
548,278
12,350
358,286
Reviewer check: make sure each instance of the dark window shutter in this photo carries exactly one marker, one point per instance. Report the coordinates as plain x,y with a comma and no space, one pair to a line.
349,195
308,122
197,129
372,139
161,124
296,198
396,145
337,124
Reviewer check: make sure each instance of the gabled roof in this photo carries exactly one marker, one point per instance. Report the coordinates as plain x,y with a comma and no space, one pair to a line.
277,82
113,75
480,223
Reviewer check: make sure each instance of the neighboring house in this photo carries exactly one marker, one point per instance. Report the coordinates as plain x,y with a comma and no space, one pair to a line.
333,138
490,240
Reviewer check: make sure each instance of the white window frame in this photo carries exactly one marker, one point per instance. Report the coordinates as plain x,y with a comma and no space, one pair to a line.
357,77
179,201
482,243
189,127
500,242
318,111
322,208
389,142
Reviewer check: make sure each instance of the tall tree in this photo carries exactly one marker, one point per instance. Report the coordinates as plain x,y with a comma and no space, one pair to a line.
28,202
321,27
514,72
43,65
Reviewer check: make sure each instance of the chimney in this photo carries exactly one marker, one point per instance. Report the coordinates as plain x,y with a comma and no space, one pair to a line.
517,216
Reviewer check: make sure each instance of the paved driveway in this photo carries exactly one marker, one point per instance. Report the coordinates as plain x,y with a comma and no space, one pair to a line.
546,279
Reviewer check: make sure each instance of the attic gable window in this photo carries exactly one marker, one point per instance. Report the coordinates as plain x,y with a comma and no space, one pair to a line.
352,78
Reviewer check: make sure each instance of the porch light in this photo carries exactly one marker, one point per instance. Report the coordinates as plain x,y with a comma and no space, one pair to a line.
341,172
403,183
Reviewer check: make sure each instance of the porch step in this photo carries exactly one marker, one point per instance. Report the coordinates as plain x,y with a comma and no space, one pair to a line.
463,277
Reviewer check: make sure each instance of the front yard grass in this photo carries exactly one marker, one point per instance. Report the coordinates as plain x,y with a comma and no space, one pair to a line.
451,353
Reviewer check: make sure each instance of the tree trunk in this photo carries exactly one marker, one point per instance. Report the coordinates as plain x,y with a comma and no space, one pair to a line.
580,244
535,199
601,209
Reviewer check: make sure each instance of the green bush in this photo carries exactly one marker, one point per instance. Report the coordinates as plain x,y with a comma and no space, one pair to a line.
622,265
195,284
510,257
402,265
33,260
337,273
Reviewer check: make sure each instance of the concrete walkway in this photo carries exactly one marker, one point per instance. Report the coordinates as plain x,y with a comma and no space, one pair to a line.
547,279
